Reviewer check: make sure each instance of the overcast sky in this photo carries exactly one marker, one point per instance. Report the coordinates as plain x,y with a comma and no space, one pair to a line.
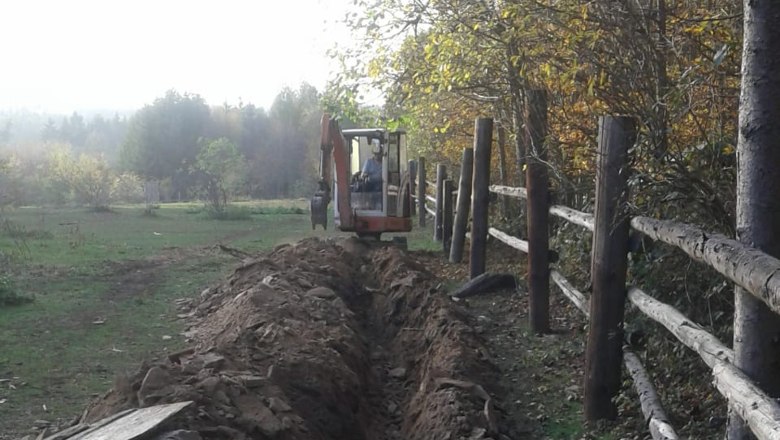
66,55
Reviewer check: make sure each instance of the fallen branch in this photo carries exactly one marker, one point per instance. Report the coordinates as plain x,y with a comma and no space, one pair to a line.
485,283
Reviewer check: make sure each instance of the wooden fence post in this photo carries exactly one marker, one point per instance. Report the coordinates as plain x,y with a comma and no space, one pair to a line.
441,176
421,184
537,187
447,211
412,170
609,262
463,205
483,140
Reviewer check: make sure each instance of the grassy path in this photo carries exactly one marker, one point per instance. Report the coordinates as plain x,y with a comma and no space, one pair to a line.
105,286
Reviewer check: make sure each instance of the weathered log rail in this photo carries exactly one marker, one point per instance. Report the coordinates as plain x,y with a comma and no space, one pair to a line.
747,267
741,264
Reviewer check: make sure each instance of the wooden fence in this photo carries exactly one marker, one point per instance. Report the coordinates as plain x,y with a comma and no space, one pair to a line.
610,224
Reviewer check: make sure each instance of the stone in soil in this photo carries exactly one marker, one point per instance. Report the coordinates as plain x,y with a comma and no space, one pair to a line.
274,357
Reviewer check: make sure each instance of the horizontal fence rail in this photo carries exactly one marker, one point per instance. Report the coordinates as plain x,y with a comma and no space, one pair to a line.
573,216
689,333
514,242
748,267
509,191
652,409
761,412
655,416
583,219
574,295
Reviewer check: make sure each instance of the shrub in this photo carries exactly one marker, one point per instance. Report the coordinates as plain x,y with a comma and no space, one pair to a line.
20,232
276,210
230,213
9,296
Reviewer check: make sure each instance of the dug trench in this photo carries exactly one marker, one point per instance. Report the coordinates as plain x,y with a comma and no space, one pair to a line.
323,339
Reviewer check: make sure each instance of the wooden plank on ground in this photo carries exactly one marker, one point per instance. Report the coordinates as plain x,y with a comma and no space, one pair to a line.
135,424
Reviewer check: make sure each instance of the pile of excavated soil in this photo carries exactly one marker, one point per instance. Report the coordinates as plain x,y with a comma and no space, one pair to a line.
323,340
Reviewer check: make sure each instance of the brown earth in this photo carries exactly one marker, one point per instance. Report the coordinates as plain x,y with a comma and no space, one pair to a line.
326,340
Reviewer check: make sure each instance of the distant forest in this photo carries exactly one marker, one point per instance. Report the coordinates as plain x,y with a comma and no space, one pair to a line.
193,149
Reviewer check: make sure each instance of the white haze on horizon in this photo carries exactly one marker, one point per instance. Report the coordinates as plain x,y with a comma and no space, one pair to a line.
62,56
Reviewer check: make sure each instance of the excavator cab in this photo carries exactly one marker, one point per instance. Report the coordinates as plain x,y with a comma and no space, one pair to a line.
371,183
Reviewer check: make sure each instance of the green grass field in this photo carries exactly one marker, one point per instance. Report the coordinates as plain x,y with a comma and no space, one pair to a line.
104,286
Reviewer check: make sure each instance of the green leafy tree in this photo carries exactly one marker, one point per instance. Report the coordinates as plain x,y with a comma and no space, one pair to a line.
5,182
128,188
220,168
88,177
162,139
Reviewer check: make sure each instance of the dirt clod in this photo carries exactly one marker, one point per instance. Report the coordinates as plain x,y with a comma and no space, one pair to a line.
322,340
397,373
278,405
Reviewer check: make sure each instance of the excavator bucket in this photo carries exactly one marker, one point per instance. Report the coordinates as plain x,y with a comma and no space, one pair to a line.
319,211
318,206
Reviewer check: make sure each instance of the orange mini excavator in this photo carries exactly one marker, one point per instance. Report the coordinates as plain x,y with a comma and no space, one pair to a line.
371,183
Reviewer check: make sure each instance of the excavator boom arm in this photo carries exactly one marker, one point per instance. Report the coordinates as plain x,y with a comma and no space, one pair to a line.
333,149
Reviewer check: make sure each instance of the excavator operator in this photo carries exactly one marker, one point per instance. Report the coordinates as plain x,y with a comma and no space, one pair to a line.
372,169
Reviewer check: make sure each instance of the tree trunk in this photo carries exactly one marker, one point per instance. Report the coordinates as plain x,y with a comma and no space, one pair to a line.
756,327
661,84
516,100
502,173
